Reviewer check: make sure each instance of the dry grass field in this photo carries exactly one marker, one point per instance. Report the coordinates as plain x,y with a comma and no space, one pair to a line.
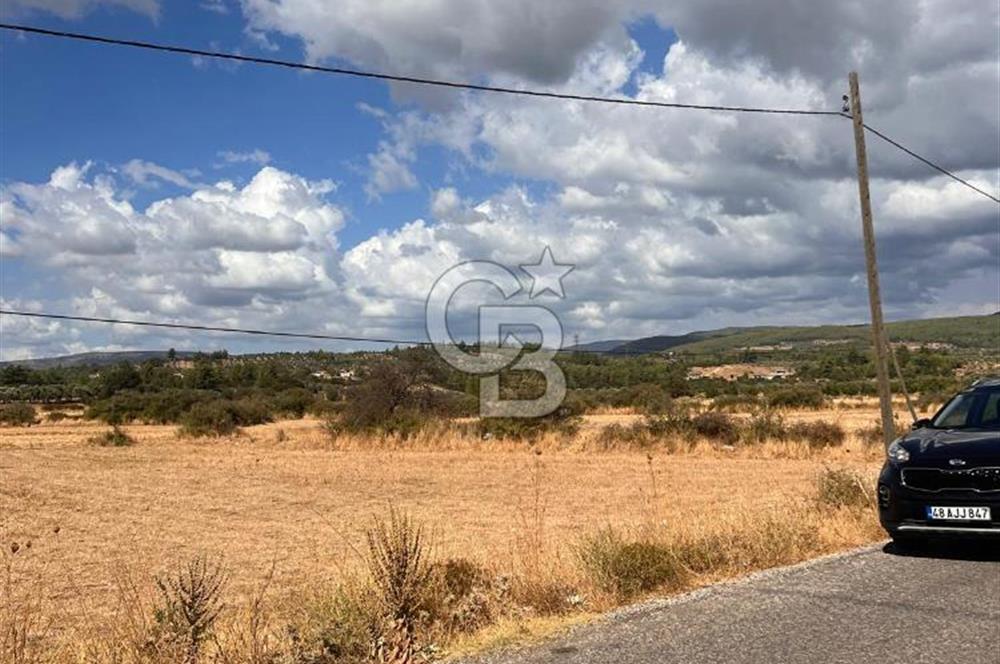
284,503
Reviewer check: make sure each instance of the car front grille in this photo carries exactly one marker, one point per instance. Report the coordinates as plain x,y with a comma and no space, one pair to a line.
935,479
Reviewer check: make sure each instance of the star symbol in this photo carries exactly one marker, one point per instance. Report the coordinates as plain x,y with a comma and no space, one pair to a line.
547,275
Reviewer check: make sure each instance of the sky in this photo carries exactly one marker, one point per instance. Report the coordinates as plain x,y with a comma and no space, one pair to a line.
155,186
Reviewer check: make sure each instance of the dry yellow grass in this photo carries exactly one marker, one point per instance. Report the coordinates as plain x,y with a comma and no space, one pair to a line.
283,494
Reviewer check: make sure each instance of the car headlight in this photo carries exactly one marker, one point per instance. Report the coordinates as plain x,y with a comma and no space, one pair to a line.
897,452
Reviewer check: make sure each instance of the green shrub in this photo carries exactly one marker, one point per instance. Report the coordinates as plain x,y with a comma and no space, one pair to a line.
169,406
796,397
248,412
526,428
627,568
736,402
842,487
715,426
163,407
763,426
648,398
18,414
388,401
636,436
817,434
293,402
114,437
210,418
336,629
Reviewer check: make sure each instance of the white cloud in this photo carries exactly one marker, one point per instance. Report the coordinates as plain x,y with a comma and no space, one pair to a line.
74,9
256,156
146,173
389,171
675,219
222,253
215,6
539,41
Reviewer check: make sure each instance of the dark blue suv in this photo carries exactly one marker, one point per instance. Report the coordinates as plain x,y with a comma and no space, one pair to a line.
943,477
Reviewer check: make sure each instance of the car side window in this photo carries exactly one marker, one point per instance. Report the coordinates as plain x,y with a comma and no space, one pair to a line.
991,410
956,413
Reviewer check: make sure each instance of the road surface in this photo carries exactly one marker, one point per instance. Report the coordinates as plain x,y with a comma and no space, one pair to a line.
870,605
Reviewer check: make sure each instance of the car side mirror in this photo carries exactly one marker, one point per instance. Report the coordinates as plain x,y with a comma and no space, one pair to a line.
922,422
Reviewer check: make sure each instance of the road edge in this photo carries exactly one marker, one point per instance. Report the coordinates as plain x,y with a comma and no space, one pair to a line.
659,603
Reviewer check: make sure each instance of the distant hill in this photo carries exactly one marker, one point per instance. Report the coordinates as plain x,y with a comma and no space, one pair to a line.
982,332
959,331
597,346
98,359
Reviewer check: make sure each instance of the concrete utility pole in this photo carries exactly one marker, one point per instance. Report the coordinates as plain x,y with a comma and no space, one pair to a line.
874,297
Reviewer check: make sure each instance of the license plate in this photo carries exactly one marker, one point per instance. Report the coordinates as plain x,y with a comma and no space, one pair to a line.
958,513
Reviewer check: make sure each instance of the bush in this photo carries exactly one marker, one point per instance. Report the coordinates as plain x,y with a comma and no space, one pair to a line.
842,487
564,421
627,568
817,434
190,604
736,402
223,417
464,595
401,574
636,436
337,629
293,402
796,397
248,412
164,407
649,398
170,406
18,414
526,428
56,415
763,426
210,418
870,435
115,437
715,426
388,401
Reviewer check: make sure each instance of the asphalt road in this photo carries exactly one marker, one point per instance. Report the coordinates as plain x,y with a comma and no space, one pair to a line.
871,605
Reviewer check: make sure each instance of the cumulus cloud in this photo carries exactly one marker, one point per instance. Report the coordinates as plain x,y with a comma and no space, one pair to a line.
725,218
675,220
536,41
220,253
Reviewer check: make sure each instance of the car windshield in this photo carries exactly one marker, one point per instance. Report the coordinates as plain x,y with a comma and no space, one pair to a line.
971,410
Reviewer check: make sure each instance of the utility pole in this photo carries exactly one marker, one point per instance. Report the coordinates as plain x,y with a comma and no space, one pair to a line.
874,297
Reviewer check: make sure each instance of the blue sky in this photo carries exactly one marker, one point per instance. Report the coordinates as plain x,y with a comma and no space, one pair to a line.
675,222
73,101
78,101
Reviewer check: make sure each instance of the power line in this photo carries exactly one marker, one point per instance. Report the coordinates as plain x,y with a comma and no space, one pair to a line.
223,55
929,162
257,332
212,328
